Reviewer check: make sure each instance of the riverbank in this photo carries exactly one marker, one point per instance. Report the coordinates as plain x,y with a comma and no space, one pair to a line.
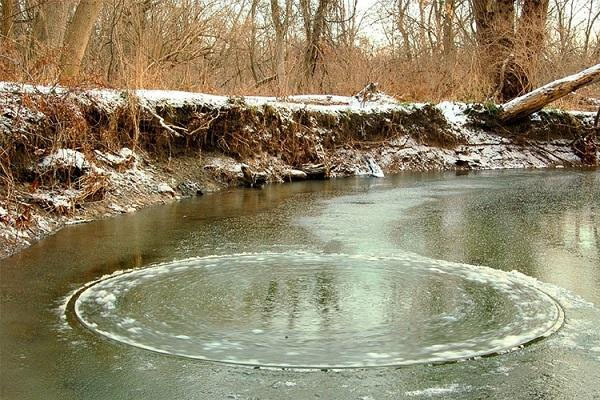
71,156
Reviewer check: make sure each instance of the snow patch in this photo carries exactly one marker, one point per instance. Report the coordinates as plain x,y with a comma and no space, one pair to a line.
165,188
124,157
65,158
453,112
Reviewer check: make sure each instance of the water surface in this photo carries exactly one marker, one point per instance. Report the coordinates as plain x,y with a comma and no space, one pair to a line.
306,310
543,224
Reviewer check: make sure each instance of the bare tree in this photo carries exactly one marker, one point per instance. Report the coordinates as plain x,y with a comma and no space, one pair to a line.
77,37
510,53
8,7
281,22
401,24
50,23
590,23
449,6
314,26
431,49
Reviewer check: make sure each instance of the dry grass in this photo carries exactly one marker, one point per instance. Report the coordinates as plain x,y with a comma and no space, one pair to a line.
123,54
428,78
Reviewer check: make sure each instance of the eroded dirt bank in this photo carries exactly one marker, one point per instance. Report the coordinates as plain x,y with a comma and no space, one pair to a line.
73,156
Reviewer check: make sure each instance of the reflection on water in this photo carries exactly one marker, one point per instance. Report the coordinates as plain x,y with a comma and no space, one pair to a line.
547,228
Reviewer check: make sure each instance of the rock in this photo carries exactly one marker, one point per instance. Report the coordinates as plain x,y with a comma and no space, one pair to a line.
124,159
315,171
468,162
64,158
117,208
294,175
253,179
165,188
260,178
65,164
227,167
190,188
61,203
374,168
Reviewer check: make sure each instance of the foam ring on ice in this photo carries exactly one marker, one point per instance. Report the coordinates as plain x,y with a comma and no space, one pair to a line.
97,307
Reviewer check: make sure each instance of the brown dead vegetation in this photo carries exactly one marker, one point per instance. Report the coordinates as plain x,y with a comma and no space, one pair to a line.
417,50
44,123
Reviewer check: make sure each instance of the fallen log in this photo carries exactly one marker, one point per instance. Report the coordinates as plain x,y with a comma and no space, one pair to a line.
535,100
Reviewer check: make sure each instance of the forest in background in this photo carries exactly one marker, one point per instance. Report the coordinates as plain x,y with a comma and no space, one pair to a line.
417,50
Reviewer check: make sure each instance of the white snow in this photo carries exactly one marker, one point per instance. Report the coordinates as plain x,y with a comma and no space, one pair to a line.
109,99
295,174
175,98
375,168
62,158
436,391
454,112
165,188
56,200
124,156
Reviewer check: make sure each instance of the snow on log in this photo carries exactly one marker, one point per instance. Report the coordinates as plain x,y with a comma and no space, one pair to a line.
535,100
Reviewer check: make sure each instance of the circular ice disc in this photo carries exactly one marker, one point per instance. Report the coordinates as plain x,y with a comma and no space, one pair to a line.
318,310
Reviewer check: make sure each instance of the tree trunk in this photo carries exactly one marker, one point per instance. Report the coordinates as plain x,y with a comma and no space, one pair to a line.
77,37
50,23
537,99
252,49
448,28
8,7
140,47
313,52
531,35
280,23
306,19
496,39
401,23
483,22
422,24
589,28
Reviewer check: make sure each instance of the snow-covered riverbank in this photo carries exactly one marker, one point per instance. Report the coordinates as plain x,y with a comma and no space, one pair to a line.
73,156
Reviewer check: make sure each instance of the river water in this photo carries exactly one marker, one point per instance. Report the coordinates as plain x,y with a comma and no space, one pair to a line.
484,285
